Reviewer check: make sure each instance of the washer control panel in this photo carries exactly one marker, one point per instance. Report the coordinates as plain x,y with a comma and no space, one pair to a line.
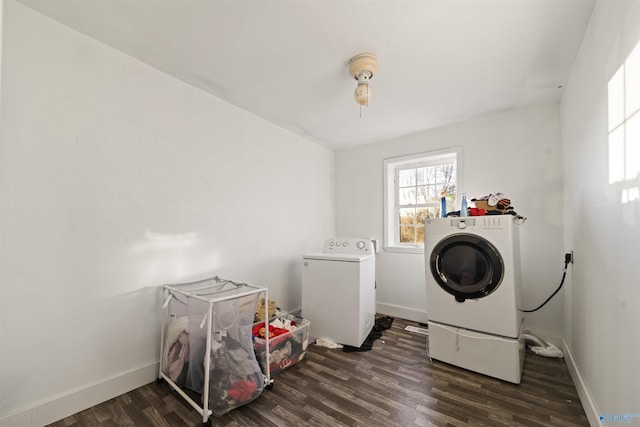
468,224
348,245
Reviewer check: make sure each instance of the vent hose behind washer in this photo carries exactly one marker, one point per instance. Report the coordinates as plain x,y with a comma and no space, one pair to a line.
541,347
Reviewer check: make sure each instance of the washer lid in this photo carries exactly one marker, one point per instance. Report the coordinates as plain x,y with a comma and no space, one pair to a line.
338,257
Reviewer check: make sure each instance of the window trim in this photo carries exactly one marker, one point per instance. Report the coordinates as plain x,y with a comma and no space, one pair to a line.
390,217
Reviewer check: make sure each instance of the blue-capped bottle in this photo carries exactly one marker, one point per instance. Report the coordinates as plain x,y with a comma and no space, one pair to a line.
464,211
443,205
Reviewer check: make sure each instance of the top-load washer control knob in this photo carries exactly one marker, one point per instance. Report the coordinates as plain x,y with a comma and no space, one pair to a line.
462,225
360,244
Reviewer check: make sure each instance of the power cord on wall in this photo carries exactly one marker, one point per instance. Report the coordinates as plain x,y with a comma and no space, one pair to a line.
568,258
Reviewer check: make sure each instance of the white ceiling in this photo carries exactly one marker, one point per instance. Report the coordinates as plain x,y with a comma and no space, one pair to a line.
286,61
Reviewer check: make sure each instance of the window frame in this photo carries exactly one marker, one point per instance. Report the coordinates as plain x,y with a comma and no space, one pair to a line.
391,197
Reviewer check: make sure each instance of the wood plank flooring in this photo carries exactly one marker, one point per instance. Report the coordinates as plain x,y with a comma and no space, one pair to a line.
394,384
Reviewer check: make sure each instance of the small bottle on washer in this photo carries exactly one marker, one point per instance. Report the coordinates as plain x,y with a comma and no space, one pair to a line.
443,205
464,211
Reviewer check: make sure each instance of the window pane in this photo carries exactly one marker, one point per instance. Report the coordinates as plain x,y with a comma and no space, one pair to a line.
428,194
420,234
616,155
632,149
431,175
632,82
616,98
443,172
407,177
407,234
434,195
407,196
426,175
424,213
423,194
422,176
407,216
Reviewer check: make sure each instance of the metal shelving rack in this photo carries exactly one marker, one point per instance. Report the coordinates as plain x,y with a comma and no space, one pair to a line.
211,291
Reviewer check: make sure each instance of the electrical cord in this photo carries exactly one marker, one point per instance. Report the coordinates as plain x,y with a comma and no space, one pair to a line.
567,260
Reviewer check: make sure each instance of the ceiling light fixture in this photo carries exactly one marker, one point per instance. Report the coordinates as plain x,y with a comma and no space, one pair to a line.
362,67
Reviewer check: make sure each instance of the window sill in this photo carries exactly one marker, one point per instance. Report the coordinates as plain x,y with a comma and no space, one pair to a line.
418,249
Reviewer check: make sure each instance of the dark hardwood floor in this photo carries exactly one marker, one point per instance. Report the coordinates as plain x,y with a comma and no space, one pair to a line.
394,384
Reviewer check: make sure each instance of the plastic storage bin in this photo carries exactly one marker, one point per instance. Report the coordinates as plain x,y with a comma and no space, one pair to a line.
285,350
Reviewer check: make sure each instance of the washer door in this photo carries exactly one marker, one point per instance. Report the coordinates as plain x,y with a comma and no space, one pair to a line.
467,266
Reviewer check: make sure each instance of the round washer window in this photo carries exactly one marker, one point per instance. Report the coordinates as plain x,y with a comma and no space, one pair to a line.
467,266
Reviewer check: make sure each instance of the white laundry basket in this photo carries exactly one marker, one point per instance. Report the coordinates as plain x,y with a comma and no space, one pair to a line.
207,344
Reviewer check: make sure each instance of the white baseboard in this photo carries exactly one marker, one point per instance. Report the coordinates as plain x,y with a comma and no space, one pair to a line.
590,409
402,312
79,400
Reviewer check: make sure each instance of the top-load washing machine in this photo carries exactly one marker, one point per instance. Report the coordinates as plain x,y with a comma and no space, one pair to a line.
338,290
473,294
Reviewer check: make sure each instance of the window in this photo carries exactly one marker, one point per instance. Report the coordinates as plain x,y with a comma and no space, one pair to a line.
624,127
413,189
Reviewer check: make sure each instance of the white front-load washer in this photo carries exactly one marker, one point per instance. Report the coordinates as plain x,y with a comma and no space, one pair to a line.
473,294
338,290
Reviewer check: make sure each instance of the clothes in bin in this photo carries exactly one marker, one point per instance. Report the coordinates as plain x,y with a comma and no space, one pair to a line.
289,337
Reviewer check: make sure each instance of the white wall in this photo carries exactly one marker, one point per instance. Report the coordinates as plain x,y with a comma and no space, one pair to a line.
516,152
603,296
115,179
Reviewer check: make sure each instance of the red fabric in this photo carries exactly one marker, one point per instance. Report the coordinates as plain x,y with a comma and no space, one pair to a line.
477,212
258,331
242,390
